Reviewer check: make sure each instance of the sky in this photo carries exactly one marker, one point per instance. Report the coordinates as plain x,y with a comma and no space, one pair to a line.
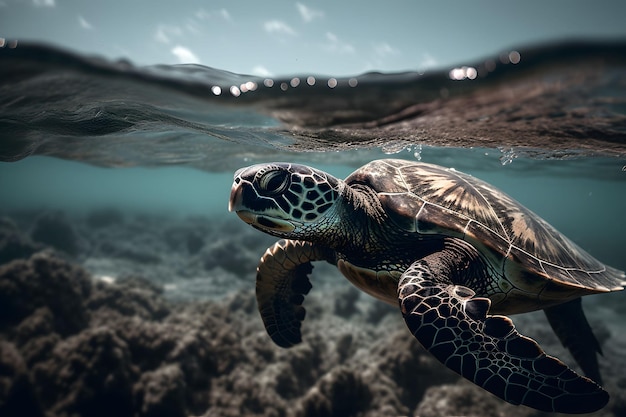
340,38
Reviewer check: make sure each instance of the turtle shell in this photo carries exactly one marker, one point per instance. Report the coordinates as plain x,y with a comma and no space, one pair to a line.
533,255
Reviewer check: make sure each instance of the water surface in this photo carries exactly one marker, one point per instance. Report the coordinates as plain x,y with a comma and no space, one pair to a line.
554,101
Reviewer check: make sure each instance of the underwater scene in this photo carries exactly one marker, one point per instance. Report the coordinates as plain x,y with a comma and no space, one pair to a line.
131,234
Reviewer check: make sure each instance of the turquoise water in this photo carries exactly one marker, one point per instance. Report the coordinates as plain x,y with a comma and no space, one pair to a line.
584,198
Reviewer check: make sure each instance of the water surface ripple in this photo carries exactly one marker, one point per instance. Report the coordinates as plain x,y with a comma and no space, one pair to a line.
558,100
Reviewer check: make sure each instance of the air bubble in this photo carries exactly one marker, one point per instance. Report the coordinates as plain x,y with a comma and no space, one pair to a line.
508,155
235,91
397,147
417,152
394,147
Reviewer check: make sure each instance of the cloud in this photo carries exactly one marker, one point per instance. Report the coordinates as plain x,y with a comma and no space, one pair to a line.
164,33
277,26
335,45
225,15
202,14
84,24
261,71
192,27
383,49
308,14
161,36
184,55
44,3
428,61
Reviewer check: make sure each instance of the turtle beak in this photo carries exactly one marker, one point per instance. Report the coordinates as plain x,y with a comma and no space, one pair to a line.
258,220
236,191
265,223
246,216
235,197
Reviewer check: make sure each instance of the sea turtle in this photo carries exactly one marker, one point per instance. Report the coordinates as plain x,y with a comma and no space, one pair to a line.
452,251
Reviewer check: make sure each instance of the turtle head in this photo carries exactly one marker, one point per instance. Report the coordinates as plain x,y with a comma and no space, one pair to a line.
285,200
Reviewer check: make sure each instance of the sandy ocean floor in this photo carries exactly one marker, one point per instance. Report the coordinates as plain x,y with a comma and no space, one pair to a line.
113,314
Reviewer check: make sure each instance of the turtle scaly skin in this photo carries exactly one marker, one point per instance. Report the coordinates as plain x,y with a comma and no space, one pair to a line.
453,252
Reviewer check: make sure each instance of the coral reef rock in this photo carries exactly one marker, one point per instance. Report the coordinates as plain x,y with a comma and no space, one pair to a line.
168,326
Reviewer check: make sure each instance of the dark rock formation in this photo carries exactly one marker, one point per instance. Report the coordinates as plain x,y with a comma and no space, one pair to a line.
161,392
88,374
467,399
105,217
13,243
130,296
341,393
187,238
346,302
44,281
129,251
17,394
54,229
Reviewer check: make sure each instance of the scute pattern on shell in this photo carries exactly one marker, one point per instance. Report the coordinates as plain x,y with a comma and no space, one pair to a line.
444,201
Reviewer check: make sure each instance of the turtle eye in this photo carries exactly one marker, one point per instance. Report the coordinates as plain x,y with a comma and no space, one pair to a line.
274,182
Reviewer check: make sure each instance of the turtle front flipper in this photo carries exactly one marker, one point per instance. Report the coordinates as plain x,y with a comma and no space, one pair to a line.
453,325
282,282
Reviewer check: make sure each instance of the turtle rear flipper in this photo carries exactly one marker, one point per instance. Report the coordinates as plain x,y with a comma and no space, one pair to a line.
281,284
571,326
455,328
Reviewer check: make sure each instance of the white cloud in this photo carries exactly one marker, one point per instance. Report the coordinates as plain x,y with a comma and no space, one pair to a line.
84,24
308,14
161,36
335,45
202,14
184,55
164,33
277,26
261,71
383,49
428,61
225,15
192,27
44,3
